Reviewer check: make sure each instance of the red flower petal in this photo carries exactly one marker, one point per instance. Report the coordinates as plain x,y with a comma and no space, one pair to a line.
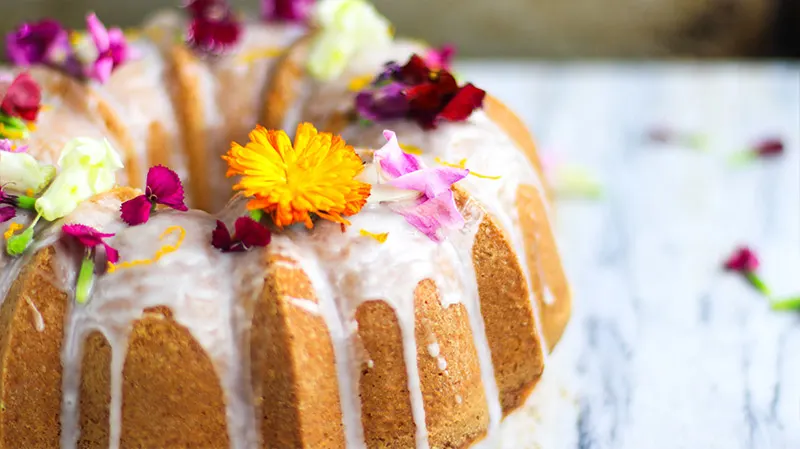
221,237
251,233
743,260
7,213
164,187
136,211
415,71
463,104
23,98
770,147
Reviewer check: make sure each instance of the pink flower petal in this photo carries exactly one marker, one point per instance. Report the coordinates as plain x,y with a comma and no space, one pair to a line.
101,69
431,217
165,185
136,211
431,181
7,213
87,236
393,160
98,32
112,255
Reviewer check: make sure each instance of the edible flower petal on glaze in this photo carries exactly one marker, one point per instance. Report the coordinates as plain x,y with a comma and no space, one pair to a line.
434,209
43,42
88,167
417,92
214,28
21,172
346,27
21,97
286,10
90,239
6,145
248,234
112,49
163,187
7,213
290,182
745,262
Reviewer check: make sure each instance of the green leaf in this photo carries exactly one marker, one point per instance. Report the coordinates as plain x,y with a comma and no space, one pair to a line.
756,282
17,244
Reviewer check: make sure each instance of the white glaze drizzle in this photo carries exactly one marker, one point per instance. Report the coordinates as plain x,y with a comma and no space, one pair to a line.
196,284
348,269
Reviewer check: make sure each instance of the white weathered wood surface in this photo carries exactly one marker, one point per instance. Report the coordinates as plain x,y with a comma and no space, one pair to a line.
673,353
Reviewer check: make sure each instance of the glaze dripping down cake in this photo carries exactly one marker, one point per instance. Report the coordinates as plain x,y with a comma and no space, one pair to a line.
385,278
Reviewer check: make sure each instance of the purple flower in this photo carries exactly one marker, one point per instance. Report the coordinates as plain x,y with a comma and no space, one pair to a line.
43,42
7,213
90,239
8,146
435,209
248,233
112,50
163,187
286,10
386,102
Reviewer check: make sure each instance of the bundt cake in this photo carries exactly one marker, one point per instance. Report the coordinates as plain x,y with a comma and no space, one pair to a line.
355,287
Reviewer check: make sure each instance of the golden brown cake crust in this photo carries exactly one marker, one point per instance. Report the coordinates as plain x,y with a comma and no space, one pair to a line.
30,359
294,374
285,84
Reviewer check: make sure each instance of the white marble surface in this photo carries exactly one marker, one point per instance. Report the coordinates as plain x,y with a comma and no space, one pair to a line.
671,352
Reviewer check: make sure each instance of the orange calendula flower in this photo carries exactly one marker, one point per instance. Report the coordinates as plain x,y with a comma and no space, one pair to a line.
289,181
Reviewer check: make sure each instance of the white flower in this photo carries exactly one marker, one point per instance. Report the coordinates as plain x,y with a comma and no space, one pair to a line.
89,153
22,172
88,168
347,26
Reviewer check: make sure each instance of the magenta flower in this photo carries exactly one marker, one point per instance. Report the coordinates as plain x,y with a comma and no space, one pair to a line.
248,233
163,187
286,10
435,208
112,50
742,260
214,27
21,98
7,213
43,42
90,239
441,58
745,262
771,147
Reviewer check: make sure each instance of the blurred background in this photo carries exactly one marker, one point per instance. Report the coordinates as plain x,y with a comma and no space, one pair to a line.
552,29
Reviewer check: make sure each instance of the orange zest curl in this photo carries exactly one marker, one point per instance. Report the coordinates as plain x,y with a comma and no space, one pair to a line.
379,237
163,251
463,164
315,175
12,228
